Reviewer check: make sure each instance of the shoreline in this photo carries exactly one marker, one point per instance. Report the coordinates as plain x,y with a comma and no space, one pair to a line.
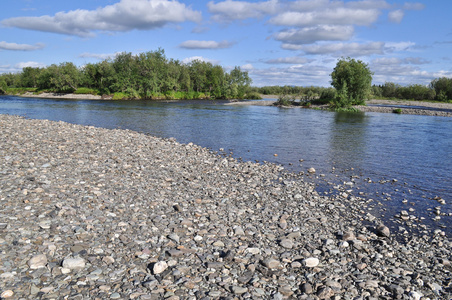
116,214
441,109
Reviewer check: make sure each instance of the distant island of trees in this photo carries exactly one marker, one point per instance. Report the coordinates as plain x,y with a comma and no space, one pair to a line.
151,75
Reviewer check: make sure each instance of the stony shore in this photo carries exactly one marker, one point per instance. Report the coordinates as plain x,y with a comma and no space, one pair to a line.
92,213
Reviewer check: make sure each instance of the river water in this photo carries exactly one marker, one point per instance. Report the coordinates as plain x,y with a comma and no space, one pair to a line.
371,149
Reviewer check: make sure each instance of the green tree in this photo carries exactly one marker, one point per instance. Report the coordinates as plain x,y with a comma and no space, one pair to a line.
3,86
354,78
443,88
29,77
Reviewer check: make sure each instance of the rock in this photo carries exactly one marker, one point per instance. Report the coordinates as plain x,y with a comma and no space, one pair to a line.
74,263
311,262
238,290
311,170
286,243
159,267
7,294
325,293
383,231
271,263
349,236
306,288
38,261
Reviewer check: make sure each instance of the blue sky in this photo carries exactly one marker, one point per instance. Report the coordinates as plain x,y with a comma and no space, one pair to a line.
278,42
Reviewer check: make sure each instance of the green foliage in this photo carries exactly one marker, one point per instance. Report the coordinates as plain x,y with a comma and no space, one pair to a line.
120,96
443,88
353,80
285,100
253,95
84,90
3,86
397,110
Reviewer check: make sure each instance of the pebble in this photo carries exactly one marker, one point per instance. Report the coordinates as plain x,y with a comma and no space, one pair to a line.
311,262
118,214
7,294
74,263
159,267
38,261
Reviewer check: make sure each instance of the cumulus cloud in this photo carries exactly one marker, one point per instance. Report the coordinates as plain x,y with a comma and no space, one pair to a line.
240,10
316,75
20,47
193,44
309,35
125,15
345,49
336,16
396,16
31,64
19,66
288,60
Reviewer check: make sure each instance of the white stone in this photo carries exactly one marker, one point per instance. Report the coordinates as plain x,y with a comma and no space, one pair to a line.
311,170
7,294
253,251
74,263
286,243
311,262
38,261
159,267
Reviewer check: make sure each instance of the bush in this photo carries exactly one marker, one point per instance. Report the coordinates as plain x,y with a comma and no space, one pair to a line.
397,110
253,96
121,96
85,91
285,100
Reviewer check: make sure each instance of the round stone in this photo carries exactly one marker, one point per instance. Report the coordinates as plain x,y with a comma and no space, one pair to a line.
311,262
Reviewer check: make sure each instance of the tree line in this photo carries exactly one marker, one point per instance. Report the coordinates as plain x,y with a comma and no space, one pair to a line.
439,89
149,75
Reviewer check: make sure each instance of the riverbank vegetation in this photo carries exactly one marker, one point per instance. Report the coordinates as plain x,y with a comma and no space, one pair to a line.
149,75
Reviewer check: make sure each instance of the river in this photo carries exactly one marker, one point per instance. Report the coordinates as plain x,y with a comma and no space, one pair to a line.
399,161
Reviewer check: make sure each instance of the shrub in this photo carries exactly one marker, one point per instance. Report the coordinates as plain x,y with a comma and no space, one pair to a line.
253,96
84,90
397,110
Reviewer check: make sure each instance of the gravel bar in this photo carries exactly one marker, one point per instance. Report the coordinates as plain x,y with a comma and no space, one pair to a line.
92,213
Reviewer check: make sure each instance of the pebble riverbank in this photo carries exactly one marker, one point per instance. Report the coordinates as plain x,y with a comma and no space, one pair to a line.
92,213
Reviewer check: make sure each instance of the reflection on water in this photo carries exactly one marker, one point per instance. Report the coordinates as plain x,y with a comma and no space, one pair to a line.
415,150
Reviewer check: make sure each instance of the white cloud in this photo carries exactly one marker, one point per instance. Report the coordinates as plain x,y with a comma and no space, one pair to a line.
288,60
240,10
345,49
308,75
399,46
396,16
193,44
125,15
100,56
310,35
20,47
247,67
31,64
336,16
19,66
200,58
403,71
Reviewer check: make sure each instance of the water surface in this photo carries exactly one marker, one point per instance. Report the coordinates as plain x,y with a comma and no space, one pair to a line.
414,150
